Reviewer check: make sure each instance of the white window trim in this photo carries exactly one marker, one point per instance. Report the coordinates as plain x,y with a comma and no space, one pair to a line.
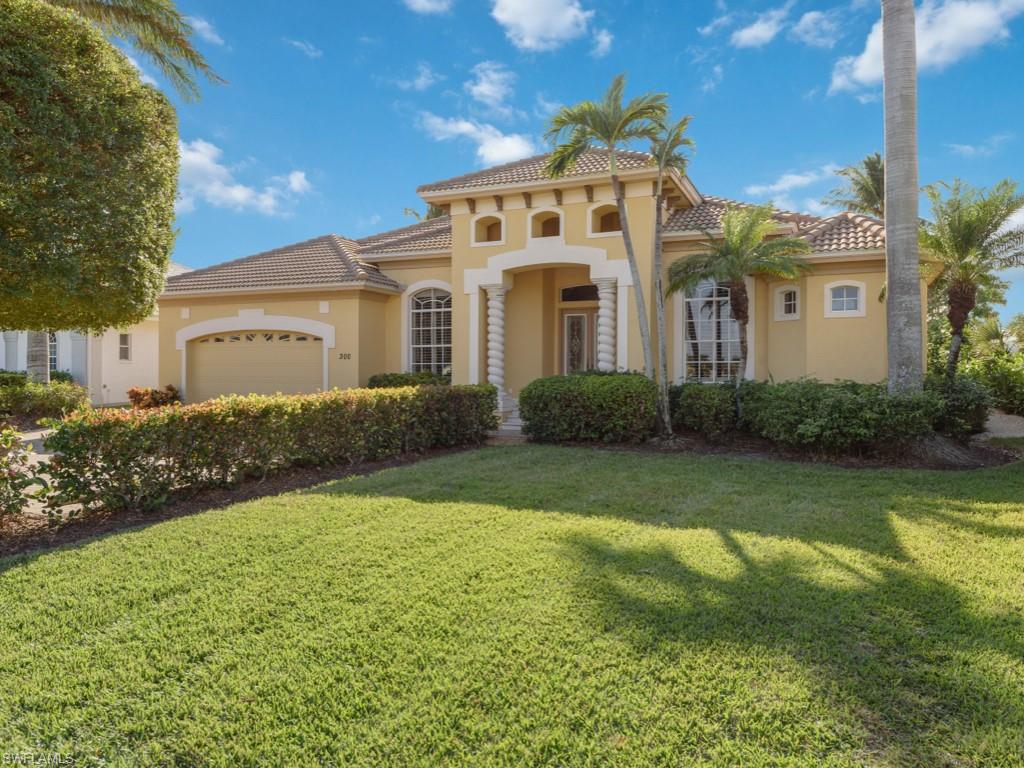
678,333
488,243
590,220
534,214
407,295
780,302
119,345
861,310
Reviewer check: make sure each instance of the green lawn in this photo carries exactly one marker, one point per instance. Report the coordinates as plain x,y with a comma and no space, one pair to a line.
539,606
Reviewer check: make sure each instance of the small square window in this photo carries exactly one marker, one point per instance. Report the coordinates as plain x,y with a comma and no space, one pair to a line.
124,347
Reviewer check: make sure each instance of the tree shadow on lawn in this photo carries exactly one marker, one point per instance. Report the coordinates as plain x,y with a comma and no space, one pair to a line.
900,653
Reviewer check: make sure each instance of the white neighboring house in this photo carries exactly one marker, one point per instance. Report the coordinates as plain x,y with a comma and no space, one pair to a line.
108,364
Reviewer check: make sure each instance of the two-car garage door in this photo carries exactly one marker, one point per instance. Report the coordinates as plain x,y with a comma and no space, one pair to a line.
254,362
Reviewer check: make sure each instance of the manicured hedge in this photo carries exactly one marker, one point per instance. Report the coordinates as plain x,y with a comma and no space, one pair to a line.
966,403
150,397
13,378
613,408
138,458
1004,376
709,409
15,473
43,401
418,379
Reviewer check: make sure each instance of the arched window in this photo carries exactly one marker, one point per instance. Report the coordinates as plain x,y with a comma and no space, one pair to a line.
604,219
546,224
711,338
430,331
488,229
845,299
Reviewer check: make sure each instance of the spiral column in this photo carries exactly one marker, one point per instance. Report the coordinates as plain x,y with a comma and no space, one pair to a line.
606,323
496,340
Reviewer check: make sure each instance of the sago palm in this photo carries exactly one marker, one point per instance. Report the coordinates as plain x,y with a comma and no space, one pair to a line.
745,248
864,190
971,237
611,124
155,28
670,151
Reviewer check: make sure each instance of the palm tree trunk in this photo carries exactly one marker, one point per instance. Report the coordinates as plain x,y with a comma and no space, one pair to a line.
634,271
903,307
37,362
962,298
739,304
659,319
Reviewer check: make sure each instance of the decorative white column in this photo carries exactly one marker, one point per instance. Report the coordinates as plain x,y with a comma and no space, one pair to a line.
606,323
496,340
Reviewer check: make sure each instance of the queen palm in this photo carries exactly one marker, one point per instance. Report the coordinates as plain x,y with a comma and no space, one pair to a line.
611,124
972,238
905,336
864,190
745,248
669,151
157,29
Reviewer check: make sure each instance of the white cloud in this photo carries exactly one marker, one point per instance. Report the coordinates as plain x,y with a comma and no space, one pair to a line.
947,31
763,29
306,47
205,30
424,78
541,25
602,43
986,148
716,24
545,107
204,177
713,80
492,84
429,6
790,181
492,146
817,29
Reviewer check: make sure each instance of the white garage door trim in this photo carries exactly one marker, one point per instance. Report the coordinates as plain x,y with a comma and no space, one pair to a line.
249,319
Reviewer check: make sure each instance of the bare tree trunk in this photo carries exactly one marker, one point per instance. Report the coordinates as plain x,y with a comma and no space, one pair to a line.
739,304
634,271
37,362
962,298
903,307
659,318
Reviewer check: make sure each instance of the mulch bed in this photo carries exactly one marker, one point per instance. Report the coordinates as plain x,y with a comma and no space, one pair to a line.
33,532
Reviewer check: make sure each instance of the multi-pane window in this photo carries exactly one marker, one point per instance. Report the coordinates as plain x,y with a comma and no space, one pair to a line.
430,331
789,305
845,298
711,340
124,347
51,350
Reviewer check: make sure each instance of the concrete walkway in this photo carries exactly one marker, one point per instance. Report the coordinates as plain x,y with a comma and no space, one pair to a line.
1001,424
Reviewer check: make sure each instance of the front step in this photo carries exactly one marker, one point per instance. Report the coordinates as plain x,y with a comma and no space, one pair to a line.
511,430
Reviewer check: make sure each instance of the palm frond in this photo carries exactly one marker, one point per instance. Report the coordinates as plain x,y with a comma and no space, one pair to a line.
864,190
564,156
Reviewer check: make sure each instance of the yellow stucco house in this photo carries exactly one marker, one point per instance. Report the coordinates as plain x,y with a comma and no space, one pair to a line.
523,277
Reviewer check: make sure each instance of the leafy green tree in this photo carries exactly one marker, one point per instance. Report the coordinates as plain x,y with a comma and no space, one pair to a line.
746,248
971,237
88,172
864,190
1015,331
432,212
670,151
611,124
155,28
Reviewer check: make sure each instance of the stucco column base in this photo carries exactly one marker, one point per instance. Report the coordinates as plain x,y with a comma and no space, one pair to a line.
606,323
496,344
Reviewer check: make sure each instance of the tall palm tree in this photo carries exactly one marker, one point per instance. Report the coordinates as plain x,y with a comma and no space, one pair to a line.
432,212
669,151
903,296
610,124
970,236
155,28
745,248
864,190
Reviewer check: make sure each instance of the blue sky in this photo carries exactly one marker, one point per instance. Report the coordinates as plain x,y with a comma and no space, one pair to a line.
334,112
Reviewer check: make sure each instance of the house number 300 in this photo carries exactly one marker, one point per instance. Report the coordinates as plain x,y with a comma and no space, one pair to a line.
344,355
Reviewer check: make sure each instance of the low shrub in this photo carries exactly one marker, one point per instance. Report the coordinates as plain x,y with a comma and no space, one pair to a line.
16,474
13,378
1004,376
844,418
150,397
418,379
138,458
43,401
966,403
709,409
617,408
63,377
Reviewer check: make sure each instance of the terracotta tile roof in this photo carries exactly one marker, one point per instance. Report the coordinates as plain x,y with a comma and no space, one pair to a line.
841,232
429,235
532,169
326,260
